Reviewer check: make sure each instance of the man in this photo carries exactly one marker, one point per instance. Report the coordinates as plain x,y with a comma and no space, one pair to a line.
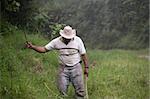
71,50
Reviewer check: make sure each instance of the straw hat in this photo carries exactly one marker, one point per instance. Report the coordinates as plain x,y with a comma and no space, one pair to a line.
68,32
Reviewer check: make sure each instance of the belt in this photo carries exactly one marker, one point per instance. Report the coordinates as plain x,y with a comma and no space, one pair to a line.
73,65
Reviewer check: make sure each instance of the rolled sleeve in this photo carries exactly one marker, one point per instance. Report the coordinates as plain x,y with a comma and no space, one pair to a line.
50,45
81,47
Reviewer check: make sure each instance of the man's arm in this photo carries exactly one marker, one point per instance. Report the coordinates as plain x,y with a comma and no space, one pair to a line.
39,49
85,61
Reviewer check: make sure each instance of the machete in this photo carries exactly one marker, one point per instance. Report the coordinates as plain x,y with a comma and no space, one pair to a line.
85,86
25,37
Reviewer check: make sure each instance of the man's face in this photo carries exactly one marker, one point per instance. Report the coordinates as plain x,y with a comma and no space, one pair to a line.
66,41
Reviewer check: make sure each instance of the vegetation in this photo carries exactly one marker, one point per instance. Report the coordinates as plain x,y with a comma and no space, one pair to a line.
120,26
102,24
26,74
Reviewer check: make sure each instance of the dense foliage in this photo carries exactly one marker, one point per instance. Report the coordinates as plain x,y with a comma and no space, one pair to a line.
26,74
103,24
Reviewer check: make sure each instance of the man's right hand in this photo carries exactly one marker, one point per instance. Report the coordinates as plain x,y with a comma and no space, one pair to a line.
29,45
39,49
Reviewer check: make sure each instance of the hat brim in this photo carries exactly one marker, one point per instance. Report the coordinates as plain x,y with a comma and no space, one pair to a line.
73,34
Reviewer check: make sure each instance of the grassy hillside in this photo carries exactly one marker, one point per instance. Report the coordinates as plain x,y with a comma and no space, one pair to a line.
25,74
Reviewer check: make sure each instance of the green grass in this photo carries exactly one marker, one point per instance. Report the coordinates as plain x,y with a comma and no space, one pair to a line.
26,74
118,74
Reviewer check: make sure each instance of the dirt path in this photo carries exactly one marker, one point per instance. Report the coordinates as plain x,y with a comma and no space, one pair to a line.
145,56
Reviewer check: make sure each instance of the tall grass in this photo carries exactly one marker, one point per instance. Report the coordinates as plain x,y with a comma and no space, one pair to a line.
118,74
26,74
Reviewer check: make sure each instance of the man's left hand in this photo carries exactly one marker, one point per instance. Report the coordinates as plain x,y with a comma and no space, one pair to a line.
86,71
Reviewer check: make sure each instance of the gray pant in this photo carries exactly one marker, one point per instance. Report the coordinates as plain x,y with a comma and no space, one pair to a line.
71,74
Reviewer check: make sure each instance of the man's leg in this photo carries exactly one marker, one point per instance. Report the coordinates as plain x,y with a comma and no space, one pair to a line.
77,81
63,81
